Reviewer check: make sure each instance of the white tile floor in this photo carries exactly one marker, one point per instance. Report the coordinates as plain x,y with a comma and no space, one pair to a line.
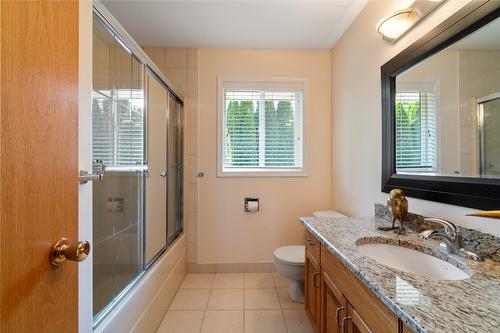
234,303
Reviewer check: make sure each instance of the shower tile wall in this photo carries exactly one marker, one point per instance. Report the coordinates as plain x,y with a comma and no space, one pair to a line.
479,76
180,66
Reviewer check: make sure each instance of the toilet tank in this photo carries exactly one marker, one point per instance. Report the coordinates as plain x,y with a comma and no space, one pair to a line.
327,213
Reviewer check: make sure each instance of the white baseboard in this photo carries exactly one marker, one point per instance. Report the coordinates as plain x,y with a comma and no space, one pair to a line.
231,268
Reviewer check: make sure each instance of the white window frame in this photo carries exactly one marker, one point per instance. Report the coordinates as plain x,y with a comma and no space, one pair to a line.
258,83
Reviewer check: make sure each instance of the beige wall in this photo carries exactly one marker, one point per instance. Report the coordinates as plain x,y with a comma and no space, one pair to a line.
356,115
225,233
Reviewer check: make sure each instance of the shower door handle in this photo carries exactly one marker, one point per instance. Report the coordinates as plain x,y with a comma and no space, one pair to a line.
86,176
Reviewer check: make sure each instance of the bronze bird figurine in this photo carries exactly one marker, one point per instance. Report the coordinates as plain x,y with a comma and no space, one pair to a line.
399,208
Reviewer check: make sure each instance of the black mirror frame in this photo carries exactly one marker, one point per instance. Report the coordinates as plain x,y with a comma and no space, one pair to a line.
480,193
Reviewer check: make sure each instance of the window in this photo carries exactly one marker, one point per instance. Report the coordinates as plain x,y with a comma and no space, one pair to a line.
261,128
416,146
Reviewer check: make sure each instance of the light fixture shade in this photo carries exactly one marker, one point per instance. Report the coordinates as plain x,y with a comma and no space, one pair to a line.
395,25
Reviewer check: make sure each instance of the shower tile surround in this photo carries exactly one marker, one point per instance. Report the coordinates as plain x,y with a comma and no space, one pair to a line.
180,66
423,304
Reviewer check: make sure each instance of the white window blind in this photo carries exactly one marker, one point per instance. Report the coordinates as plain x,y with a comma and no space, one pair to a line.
118,128
262,129
130,128
416,144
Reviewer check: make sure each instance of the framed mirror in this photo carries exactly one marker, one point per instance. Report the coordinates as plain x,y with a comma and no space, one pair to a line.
441,112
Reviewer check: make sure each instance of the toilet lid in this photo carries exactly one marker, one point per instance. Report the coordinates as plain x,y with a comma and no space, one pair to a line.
327,213
292,254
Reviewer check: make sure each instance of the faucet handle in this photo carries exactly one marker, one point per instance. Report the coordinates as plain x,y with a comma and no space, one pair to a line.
426,234
469,255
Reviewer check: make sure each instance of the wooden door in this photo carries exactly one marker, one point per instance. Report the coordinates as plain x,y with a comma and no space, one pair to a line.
312,290
38,164
356,323
333,306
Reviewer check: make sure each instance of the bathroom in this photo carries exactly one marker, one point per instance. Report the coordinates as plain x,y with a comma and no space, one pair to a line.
363,196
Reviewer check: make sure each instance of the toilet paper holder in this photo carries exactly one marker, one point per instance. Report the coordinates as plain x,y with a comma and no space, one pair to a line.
252,205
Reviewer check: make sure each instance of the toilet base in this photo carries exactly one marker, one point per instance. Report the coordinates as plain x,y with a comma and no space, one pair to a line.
296,291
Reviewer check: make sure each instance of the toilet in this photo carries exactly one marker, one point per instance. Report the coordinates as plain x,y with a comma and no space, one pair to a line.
289,262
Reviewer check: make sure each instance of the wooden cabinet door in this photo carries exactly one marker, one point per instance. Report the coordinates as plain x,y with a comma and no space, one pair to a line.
333,306
355,323
312,290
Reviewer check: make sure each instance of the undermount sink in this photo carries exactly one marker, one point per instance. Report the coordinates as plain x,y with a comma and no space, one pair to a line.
411,261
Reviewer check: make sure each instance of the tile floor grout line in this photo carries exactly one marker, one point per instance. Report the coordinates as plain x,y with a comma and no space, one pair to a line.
284,320
244,307
206,308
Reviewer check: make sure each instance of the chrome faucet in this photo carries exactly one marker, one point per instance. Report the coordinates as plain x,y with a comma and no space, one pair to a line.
451,237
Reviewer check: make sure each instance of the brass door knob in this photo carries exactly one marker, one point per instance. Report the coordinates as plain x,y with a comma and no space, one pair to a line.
62,250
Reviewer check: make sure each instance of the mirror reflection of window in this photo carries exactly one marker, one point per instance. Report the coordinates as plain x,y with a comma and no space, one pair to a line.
448,110
416,145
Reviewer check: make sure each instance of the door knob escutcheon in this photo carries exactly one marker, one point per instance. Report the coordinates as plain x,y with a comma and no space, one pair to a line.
62,250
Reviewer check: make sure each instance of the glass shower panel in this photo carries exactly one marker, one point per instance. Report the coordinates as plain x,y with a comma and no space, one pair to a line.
175,169
156,196
118,145
179,152
491,139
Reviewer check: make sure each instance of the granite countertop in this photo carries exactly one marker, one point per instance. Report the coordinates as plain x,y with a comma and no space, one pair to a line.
470,305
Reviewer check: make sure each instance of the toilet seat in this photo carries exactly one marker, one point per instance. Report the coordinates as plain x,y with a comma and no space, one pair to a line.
291,255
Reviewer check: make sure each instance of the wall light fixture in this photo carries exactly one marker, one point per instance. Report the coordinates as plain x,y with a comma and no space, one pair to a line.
394,26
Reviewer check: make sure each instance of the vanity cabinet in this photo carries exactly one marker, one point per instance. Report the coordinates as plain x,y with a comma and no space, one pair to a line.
354,322
312,290
332,302
335,297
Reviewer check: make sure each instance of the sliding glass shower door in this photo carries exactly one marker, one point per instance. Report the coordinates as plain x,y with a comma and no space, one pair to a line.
156,180
137,128
489,123
165,160
175,169
118,150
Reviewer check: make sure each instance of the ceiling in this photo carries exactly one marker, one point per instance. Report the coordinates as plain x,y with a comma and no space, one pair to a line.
236,24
